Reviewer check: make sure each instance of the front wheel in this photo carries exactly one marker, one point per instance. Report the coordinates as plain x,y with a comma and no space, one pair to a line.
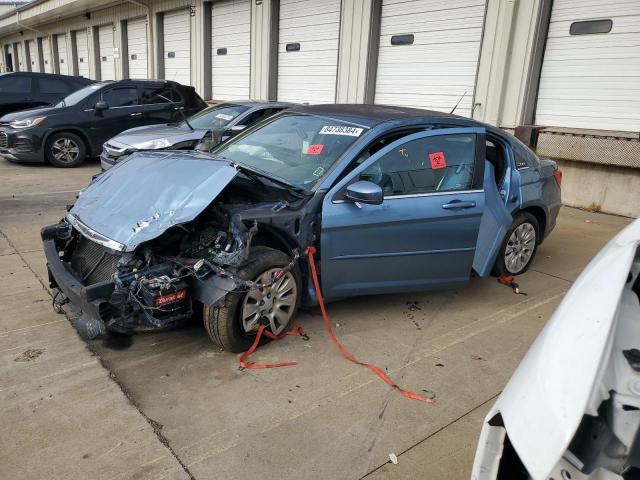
65,150
233,326
519,246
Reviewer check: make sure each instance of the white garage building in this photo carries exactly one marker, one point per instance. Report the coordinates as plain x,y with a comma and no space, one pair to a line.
567,72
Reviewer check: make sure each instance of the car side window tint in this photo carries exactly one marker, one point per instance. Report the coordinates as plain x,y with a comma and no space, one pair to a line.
441,163
258,115
121,97
53,86
155,94
15,84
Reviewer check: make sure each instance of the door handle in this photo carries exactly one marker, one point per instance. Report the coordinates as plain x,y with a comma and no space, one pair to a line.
458,204
137,114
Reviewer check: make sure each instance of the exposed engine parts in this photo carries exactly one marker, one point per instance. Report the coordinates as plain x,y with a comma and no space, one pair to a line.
155,285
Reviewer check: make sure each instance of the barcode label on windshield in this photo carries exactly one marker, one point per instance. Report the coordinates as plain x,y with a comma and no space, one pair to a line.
338,130
224,116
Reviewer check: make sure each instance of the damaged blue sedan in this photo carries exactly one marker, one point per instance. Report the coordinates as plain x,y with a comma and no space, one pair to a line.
393,199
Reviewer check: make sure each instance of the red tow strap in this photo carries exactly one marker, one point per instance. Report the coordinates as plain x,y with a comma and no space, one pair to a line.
298,332
413,396
295,332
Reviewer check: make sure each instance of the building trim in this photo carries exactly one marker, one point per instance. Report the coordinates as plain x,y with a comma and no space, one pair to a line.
532,81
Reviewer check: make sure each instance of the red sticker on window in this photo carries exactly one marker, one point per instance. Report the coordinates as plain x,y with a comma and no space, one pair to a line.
437,160
315,149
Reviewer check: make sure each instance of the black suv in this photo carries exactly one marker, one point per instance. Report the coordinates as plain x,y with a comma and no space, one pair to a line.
80,123
20,90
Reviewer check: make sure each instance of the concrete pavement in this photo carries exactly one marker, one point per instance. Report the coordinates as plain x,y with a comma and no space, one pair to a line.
189,412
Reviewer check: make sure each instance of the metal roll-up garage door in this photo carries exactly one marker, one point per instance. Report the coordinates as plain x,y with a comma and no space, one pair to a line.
590,74
177,46
63,58
137,47
82,54
231,49
34,59
46,55
428,53
107,62
308,50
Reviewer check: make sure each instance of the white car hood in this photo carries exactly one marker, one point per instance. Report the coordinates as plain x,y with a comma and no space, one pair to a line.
562,376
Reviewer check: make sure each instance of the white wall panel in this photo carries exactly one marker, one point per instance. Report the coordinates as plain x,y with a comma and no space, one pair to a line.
591,81
137,47
64,66
308,75
440,66
107,62
177,46
231,50
82,54
46,55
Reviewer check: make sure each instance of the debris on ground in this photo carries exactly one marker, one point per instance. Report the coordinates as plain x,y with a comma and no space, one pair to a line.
413,306
429,393
393,458
509,281
29,355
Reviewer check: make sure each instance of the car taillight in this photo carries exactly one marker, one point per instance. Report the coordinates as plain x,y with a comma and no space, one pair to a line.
169,298
557,174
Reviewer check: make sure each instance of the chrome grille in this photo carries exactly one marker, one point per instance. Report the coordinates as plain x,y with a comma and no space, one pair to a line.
4,143
92,262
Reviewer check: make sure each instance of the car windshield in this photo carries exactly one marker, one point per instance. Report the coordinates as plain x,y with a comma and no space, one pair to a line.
298,149
215,117
79,95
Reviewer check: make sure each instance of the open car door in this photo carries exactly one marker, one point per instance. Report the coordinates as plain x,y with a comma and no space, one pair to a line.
494,223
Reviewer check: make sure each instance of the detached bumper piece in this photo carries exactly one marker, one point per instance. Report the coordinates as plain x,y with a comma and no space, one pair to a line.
89,275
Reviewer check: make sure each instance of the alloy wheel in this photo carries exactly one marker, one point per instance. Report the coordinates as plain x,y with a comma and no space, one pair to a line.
520,247
65,150
275,303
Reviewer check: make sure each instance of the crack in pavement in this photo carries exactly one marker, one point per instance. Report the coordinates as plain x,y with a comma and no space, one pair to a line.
436,432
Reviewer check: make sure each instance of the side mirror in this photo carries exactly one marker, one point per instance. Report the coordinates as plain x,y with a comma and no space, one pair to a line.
365,192
101,106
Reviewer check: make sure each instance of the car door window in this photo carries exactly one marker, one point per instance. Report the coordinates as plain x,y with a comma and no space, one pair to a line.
121,97
440,163
258,115
15,84
52,86
155,94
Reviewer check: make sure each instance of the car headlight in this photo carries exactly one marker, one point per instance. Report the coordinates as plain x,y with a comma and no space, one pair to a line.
27,122
154,144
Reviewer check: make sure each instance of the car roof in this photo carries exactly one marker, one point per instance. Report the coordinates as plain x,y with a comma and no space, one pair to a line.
371,115
50,75
257,103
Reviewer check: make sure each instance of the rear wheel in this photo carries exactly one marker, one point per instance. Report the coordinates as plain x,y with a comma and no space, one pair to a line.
65,150
233,326
519,246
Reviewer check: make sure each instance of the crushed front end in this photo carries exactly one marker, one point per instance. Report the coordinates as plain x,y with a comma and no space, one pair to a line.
152,287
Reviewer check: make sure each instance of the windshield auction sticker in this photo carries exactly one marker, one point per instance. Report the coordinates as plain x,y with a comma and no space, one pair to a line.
341,130
224,116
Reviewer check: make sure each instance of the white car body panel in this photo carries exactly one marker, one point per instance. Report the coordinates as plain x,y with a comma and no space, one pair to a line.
571,368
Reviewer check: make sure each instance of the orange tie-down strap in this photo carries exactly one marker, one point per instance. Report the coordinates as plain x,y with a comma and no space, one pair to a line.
310,252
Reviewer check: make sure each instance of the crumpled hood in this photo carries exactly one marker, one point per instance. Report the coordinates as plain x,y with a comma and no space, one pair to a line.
135,137
561,378
140,198
30,113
